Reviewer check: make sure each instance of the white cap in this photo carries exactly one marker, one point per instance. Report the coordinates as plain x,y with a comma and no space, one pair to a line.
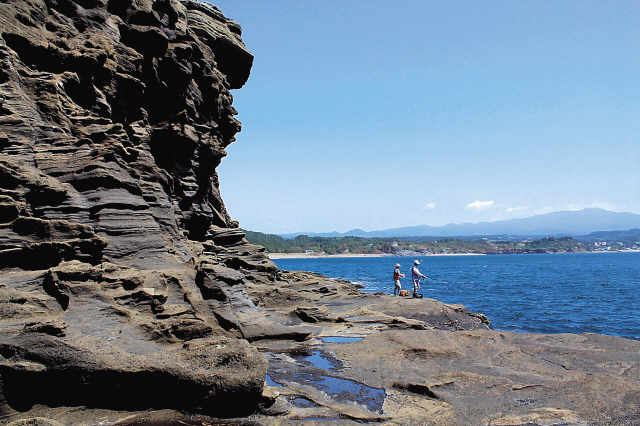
397,265
415,262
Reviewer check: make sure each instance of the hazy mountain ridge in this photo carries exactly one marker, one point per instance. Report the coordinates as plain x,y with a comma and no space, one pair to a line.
579,222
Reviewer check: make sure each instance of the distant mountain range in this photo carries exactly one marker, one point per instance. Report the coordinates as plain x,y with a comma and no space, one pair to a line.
572,223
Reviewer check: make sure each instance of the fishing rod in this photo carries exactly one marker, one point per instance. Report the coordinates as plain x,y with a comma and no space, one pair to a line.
442,281
434,279
439,280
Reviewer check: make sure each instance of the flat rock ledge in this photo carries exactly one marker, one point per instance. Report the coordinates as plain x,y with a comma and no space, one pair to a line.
367,358
440,364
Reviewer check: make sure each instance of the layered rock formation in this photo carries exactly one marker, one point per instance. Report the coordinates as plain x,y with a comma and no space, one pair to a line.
129,296
122,273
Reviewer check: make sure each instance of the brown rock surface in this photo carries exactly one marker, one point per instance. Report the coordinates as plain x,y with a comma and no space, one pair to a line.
122,273
439,364
129,296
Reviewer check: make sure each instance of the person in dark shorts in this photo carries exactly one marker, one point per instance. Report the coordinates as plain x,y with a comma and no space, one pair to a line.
396,280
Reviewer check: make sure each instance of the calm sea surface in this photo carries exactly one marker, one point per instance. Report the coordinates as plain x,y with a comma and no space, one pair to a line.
541,293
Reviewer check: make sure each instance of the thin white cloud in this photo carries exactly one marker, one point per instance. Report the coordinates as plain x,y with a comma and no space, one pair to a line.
430,206
516,209
480,205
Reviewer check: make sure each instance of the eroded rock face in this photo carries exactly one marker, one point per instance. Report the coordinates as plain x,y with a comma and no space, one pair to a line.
129,296
116,116
122,274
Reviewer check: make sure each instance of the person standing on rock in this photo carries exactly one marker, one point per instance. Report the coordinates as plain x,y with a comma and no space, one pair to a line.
396,280
415,276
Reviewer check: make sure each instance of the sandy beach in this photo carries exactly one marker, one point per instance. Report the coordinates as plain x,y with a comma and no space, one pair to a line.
318,255
324,255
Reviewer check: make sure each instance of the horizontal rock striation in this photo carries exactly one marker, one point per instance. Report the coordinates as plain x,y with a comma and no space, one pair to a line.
129,296
122,274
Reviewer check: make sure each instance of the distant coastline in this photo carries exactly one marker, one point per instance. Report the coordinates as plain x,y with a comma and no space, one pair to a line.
355,255
306,247
324,255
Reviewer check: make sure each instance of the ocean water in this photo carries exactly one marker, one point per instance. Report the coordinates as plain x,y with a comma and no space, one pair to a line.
540,293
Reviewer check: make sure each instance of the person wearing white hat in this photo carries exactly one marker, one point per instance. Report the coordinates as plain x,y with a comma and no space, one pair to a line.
396,279
415,276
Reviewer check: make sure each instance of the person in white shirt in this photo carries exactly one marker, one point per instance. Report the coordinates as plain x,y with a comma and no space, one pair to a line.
415,276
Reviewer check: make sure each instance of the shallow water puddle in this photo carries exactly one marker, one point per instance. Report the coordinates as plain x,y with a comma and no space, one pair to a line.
302,402
271,382
316,367
316,358
340,339
345,390
341,390
308,371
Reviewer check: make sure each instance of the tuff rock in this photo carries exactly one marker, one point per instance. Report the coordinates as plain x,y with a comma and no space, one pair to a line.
122,273
129,296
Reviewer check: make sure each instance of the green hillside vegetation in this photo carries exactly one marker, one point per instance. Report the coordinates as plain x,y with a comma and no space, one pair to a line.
555,244
303,243
399,246
630,237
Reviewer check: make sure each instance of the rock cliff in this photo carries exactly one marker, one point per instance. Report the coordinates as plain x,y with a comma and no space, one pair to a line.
122,273
129,296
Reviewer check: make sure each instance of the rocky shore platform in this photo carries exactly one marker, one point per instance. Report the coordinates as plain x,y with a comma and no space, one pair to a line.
322,352
128,295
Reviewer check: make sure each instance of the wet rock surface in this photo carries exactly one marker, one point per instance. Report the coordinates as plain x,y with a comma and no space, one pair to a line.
439,364
129,296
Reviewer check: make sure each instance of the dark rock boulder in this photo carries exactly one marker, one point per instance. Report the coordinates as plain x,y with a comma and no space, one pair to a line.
203,374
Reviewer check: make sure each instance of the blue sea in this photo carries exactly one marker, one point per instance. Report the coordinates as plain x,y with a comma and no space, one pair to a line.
540,293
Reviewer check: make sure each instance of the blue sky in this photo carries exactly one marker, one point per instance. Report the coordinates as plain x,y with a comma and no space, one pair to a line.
379,114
